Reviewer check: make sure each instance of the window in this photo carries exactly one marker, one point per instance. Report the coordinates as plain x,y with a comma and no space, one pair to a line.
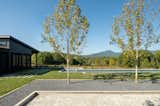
24,61
14,60
3,43
28,60
20,60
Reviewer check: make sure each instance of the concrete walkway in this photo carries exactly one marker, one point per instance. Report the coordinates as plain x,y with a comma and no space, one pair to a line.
76,85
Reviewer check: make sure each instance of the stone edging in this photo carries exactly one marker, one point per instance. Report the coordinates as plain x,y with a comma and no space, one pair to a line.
27,99
12,91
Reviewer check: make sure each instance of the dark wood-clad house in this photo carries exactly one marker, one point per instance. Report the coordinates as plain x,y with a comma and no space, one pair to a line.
14,54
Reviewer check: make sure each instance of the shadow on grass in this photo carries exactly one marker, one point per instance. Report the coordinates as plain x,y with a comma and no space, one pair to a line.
31,72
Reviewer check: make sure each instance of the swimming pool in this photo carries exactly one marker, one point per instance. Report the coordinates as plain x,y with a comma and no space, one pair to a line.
113,70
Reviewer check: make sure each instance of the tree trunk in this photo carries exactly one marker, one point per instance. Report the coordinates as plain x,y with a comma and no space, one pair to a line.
136,71
68,58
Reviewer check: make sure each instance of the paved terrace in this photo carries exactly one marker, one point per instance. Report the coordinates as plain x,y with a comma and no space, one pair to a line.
76,85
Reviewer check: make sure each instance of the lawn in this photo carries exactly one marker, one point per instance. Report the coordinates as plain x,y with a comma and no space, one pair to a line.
61,75
11,83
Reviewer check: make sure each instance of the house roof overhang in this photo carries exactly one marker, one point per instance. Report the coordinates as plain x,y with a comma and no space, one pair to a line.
20,42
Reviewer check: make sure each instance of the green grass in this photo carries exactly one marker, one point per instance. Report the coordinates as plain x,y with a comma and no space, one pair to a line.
9,84
61,75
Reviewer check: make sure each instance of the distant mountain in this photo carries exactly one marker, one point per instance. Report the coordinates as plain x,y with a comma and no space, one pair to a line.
106,53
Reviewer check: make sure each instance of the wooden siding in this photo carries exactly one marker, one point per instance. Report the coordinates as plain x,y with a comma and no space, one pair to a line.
18,48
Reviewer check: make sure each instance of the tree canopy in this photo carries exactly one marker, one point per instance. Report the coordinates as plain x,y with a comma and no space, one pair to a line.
136,28
66,27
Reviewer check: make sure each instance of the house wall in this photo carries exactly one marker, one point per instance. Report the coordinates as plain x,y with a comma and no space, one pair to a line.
20,61
16,47
14,56
4,60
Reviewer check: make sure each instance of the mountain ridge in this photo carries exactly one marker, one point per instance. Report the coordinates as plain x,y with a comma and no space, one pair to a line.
109,53
106,53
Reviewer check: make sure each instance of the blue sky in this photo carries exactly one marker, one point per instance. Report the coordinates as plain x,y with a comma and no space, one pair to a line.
24,20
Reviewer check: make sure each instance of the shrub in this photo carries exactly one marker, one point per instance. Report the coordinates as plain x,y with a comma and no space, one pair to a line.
109,76
99,76
153,78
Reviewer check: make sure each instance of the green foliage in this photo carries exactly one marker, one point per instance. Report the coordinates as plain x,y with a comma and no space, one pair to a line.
43,58
112,62
126,76
109,76
136,27
101,61
126,59
77,60
47,58
65,30
146,59
58,58
99,76
157,59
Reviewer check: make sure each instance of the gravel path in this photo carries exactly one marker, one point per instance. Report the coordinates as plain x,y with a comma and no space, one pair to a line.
76,85
95,99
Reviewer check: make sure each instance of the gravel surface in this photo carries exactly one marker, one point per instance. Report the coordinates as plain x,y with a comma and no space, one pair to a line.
94,99
76,85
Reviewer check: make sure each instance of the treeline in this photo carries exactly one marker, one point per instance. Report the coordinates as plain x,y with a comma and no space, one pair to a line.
48,58
147,59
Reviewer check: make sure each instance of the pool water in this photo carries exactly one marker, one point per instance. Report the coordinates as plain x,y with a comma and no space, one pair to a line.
113,70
